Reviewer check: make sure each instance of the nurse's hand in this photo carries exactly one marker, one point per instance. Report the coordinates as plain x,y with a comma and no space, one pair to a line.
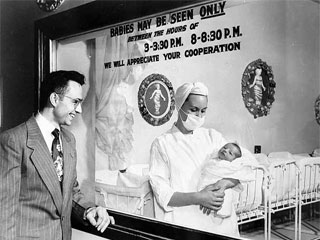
211,198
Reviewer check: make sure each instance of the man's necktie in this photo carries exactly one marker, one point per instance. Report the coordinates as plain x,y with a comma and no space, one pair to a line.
57,154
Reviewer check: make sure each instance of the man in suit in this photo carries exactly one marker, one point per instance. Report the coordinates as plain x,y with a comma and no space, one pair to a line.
38,180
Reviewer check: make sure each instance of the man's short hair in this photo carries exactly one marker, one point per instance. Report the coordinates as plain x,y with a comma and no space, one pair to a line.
57,82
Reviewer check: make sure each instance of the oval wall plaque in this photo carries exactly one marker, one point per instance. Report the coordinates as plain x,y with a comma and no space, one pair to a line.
49,5
258,88
156,99
317,109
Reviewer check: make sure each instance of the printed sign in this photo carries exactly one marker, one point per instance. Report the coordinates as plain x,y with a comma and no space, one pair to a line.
183,34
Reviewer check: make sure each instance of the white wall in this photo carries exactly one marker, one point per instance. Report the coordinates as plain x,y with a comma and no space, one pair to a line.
284,34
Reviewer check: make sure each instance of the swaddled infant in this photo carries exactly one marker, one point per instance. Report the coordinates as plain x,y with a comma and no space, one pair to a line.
228,164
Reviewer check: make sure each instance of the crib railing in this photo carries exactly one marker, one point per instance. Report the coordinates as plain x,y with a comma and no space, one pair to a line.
282,191
285,184
309,186
275,189
251,205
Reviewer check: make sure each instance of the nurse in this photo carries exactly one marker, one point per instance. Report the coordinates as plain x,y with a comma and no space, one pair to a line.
176,160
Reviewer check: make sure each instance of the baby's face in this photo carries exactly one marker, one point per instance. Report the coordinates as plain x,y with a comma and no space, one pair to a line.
228,152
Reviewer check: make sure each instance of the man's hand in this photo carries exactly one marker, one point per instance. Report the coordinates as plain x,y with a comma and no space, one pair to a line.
99,217
211,199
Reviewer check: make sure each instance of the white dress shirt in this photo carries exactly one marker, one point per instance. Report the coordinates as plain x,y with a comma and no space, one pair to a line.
46,128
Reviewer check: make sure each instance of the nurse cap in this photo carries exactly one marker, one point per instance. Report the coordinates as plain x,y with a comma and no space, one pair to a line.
189,88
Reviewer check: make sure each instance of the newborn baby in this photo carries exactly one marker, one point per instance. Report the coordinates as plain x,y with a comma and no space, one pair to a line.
228,164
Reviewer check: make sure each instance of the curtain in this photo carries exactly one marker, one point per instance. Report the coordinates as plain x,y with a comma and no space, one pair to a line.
114,100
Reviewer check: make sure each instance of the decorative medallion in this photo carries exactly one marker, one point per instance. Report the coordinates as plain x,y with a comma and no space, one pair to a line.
317,109
49,5
156,99
258,88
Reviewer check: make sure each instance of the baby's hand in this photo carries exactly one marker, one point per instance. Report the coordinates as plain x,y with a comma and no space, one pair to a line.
216,187
226,183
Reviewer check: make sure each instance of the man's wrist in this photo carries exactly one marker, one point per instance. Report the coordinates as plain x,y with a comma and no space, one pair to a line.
87,211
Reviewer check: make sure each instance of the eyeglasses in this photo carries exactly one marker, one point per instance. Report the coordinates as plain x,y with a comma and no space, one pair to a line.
76,102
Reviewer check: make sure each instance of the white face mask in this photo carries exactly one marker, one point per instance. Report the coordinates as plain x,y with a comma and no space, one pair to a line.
192,122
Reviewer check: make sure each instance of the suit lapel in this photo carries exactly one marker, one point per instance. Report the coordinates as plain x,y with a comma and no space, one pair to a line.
68,161
43,162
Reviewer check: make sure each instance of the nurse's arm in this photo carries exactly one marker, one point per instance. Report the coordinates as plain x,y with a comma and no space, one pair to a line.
207,197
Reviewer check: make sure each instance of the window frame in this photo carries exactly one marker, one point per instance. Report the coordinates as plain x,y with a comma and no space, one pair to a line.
88,18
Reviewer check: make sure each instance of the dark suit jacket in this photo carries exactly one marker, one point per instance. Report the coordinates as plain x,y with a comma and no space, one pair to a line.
32,204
